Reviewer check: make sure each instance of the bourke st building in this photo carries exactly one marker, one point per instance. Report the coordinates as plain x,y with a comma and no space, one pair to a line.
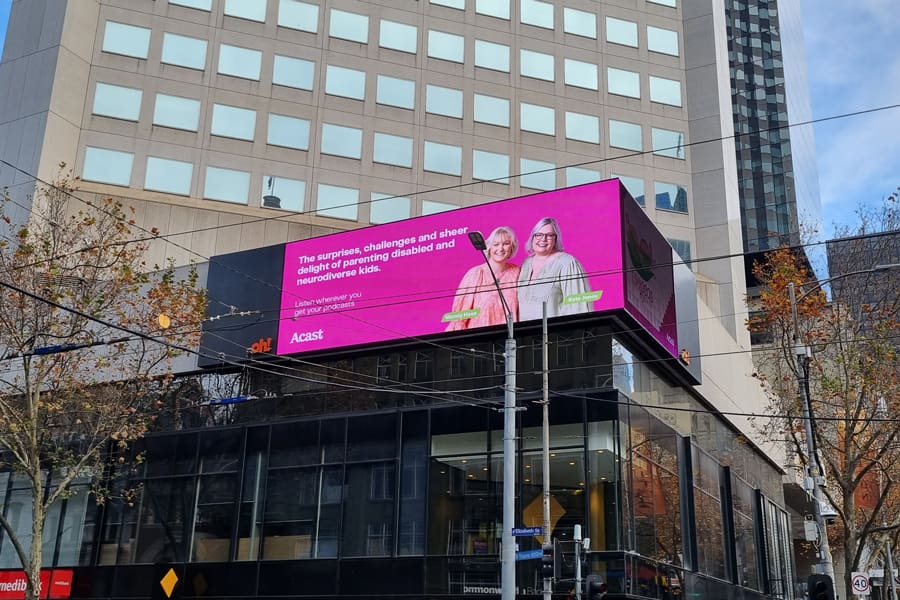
359,450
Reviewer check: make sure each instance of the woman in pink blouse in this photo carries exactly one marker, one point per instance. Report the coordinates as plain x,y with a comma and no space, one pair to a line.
477,291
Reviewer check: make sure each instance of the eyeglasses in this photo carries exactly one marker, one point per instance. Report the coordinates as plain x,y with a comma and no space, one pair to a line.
545,236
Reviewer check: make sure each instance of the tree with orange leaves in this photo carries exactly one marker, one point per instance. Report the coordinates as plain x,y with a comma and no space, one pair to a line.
87,335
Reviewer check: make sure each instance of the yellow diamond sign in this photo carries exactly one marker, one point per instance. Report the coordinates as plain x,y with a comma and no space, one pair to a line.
168,582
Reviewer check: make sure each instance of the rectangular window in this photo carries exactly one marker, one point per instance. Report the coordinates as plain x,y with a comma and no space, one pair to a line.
393,150
634,185
621,32
665,91
338,202
198,4
579,22
295,14
537,13
107,166
289,132
348,83
444,101
581,74
537,174
623,83
459,4
341,141
227,185
493,8
579,176
432,207
395,92
283,193
660,40
625,135
253,10
490,165
184,51
117,101
239,62
536,65
670,196
349,26
667,143
492,56
386,208
671,3
172,176
127,40
398,36
683,248
443,158
233,122
584,128
293,72
491,110
176,112
446,46
539,119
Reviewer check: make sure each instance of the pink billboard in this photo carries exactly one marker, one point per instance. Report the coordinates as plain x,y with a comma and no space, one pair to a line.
422,276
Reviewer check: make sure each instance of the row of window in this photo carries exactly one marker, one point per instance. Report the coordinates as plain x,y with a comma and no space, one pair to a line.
190,52
293,132
231,185
304,16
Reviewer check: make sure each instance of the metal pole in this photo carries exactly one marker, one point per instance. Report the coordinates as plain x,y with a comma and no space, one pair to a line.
577,538
825,565
508,554
548,583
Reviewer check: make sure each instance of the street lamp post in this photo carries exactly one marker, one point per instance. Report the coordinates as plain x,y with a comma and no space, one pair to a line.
507,547
815,471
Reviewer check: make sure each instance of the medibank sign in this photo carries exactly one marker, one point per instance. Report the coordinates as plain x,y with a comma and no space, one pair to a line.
55,584
582,250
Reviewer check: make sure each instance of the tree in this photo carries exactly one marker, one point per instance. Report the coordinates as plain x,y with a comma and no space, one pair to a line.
853,379
84,350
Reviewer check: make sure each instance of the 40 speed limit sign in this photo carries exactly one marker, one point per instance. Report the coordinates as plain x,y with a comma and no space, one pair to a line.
859,583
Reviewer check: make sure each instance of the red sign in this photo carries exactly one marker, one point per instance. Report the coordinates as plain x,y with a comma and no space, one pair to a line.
55,584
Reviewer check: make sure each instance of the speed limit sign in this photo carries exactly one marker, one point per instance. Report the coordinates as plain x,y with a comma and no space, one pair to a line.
859,583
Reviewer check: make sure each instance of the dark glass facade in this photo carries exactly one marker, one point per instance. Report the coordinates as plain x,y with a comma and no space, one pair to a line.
352,477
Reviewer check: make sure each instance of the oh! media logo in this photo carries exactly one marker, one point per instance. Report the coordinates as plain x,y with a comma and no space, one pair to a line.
261,345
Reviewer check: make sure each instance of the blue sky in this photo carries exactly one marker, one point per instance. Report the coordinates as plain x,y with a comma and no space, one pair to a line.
852,66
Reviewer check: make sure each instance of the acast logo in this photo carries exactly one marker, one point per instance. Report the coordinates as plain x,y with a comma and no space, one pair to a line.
263,345
307,336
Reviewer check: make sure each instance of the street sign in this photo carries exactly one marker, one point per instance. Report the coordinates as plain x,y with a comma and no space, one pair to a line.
529,554
859,583
524,531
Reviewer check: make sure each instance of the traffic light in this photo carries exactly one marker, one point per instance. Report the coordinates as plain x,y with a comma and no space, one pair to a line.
548,561
820,587
596,587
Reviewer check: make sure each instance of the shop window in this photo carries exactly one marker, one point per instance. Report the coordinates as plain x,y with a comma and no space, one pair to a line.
239,62
398,36
233,122
107,166
302,513
293,72
176,112
229,185
184,51
708,516
165,526
171,176
444,101
579,22
392,91
584,128
252,10
349,26
491,110
295,14
289,132
127,40
341,141
369,528
338,202
213,516
536,65
117,101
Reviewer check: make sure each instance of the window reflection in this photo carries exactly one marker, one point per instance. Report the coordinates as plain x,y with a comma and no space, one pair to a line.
239,62
184,51
128,40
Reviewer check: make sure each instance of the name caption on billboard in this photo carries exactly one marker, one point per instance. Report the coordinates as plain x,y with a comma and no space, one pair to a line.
358,261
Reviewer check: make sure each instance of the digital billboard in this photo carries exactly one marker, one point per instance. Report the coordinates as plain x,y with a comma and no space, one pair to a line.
423,276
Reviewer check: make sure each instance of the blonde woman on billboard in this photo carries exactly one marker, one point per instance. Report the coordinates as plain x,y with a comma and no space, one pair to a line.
551,275
476,291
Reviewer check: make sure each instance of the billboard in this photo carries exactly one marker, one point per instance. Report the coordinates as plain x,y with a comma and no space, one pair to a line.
582,250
